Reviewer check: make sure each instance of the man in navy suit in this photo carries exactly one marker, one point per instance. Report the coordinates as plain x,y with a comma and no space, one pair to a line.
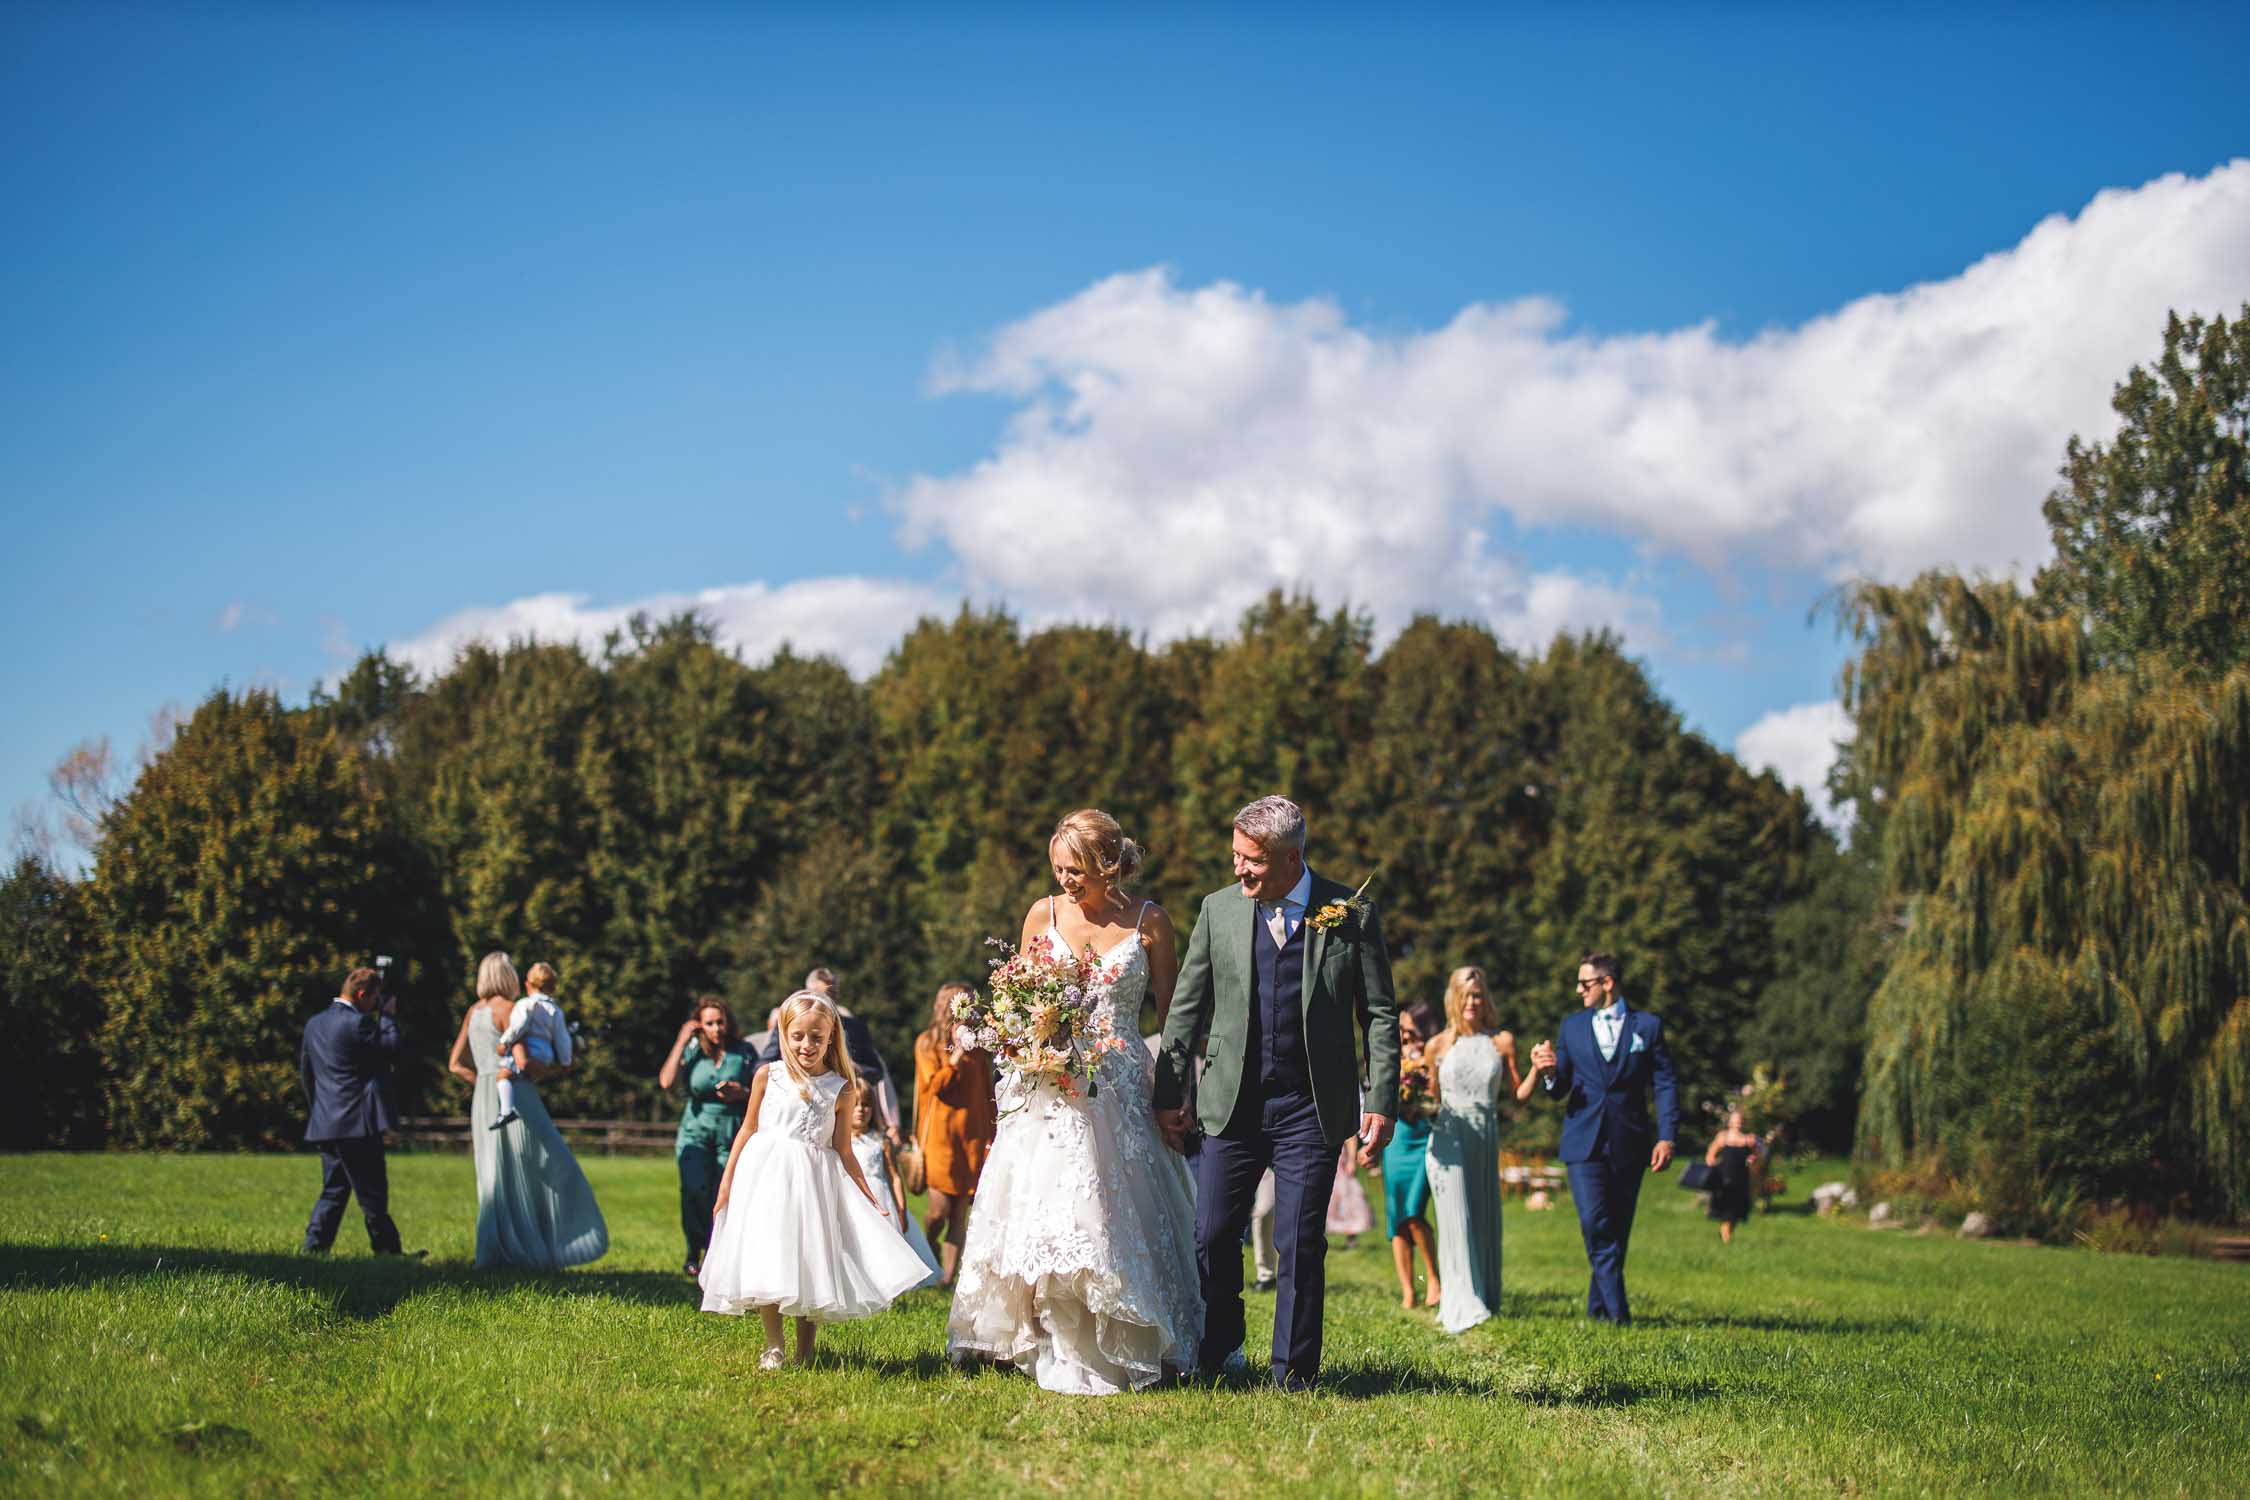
1605,1062
345,1062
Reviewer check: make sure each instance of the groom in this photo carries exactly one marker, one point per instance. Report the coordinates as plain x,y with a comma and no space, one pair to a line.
1605,1062
1281,967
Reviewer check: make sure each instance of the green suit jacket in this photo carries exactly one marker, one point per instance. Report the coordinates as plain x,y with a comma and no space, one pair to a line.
1347,991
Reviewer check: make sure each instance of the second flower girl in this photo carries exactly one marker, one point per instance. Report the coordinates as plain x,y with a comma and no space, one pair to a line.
797,1233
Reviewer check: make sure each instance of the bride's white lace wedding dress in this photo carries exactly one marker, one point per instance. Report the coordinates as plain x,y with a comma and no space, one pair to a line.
1080,1260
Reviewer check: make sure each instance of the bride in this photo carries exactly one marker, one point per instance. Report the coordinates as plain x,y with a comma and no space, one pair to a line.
1080,1261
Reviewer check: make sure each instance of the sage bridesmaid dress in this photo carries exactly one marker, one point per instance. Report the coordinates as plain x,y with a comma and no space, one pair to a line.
1465,1182
535,1208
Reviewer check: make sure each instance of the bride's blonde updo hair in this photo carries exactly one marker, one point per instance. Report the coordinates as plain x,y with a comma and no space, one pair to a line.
1093,839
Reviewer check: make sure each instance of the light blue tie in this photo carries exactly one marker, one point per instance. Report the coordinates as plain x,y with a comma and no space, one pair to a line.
1605,1032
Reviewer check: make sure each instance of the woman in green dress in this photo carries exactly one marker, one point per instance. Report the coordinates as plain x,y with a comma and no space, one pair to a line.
1406,1167
535,1208
717,1069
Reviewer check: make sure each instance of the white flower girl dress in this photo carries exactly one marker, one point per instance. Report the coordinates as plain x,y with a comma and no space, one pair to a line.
796,1233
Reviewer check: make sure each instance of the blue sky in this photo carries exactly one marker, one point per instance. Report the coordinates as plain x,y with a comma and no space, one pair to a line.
333,326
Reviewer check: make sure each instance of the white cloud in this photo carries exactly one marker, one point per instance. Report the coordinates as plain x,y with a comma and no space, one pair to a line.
856,620
1174,451
236,613
1798,744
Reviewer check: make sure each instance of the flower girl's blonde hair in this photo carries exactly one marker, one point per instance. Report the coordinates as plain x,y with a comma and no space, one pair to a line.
839,1061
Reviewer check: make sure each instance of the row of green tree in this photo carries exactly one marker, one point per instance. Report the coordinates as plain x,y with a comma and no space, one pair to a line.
2028,974
660,819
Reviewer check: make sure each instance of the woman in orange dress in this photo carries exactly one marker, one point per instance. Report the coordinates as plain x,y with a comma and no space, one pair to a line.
953,1124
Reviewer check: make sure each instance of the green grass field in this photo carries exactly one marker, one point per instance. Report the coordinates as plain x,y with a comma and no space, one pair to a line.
157,1336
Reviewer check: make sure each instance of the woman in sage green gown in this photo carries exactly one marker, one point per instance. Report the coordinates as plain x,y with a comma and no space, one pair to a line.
1472,1065
535,1208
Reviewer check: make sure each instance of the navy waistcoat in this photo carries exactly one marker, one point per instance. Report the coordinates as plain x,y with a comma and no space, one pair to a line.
1277,991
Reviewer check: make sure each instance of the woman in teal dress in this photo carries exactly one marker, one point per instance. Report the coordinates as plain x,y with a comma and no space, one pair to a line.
535,1208
1406,1174
717,1068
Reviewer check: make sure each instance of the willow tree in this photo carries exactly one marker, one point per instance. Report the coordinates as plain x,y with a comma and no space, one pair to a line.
2062,778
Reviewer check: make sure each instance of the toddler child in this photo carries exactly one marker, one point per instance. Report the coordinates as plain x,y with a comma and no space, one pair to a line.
536,1033
804,1236
880,1167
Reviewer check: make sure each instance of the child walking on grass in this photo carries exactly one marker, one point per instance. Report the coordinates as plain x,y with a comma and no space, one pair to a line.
536,1034
879,1167
805,1237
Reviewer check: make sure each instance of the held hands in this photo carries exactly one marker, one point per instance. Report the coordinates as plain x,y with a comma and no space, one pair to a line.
1172,1124
1661,1157
1543,1057
1374,1135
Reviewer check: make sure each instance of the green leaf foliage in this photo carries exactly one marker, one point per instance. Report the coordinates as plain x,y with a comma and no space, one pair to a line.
660,820
248,870
2062,780
50,1072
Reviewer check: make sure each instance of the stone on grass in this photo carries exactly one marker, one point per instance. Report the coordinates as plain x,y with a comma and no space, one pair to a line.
1538,1201
1976,1227
1828,1195
1880,1216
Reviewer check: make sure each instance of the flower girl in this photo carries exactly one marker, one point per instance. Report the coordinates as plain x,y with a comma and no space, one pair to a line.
880,1168
805,1238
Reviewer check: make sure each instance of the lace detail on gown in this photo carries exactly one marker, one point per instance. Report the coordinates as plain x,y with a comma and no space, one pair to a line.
1079,1264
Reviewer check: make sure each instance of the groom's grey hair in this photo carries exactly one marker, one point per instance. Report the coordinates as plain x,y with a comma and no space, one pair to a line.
1275,822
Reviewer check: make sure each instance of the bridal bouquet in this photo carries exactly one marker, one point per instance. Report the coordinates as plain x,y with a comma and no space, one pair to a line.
1040,1019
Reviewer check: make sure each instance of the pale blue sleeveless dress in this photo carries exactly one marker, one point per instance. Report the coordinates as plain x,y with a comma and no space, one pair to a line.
1465,1182
535,1208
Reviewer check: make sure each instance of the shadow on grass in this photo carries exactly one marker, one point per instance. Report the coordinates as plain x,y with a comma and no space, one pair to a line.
358,1288
932,1365
1400,1378
1570,1307
1779,1323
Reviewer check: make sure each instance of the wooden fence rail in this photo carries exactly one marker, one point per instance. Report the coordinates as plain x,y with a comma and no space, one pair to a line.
609,1137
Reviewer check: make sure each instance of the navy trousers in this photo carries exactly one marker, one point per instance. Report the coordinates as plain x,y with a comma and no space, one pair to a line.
348,1167
1282,1132
1606,1193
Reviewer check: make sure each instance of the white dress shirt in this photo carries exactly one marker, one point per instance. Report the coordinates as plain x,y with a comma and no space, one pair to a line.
1608,1021
1282,918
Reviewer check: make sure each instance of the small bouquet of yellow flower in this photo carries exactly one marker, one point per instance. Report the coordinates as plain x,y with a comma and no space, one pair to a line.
1417,1095
1041,1018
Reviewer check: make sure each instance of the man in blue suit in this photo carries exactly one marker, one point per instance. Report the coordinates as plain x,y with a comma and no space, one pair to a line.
1604,1063
345,1063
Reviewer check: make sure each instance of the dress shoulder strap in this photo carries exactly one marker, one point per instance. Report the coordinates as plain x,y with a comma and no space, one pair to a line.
1141,917
1053,926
